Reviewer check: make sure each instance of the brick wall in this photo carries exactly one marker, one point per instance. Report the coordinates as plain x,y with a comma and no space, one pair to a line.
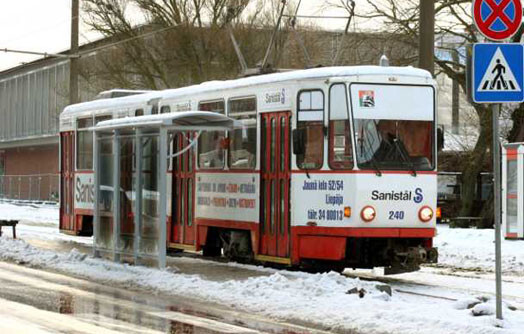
30,173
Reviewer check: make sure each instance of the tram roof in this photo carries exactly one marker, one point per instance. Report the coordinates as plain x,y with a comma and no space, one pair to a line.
308,74
188,120
110,103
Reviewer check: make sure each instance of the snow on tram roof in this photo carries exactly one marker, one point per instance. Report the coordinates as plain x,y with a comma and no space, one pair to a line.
314,73
111,103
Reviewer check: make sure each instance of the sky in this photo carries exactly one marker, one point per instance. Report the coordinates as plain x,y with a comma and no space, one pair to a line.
45,25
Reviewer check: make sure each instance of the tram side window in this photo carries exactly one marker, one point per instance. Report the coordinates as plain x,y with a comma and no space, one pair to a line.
340,150
84,144
99,119
311,123
243,140
165,110
211,144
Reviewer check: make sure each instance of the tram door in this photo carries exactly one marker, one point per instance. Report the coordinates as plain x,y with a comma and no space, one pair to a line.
275,184
183,229
67,181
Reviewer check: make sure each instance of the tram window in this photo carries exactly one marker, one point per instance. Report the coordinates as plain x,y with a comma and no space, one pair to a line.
211,144
84,144
311,122
99,119
165,110
340,150
139,112
243,140
154,110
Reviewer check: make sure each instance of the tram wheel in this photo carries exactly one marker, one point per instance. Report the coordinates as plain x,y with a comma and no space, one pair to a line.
211,251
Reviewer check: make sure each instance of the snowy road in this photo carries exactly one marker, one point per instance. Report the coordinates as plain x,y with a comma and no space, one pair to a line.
312,300
37,301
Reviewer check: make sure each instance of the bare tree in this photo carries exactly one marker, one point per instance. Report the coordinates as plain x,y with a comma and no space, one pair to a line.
168,43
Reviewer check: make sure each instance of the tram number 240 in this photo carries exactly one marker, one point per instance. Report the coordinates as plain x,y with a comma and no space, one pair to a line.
396,215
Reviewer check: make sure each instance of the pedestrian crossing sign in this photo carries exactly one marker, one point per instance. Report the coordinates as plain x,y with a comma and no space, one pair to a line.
498,71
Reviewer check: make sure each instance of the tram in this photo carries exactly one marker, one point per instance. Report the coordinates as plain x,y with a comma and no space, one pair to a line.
327,168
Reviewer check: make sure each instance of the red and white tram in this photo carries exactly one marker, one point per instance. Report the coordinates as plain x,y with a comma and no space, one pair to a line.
331,167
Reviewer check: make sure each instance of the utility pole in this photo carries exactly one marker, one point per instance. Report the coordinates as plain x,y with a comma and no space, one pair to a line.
426,35
73,63
455,97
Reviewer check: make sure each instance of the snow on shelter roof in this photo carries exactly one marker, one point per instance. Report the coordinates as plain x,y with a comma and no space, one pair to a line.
192,120
315,73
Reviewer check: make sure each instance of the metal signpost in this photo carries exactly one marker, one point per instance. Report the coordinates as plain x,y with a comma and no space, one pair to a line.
497,77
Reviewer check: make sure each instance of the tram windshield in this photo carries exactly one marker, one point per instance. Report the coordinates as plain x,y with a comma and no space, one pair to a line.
394,144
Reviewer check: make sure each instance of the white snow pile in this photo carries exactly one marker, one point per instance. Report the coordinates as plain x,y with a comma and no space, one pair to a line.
316,298
474,249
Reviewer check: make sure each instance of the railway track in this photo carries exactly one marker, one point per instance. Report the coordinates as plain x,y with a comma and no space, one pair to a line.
405,285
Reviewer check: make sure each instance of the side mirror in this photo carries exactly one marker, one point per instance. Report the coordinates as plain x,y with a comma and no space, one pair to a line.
299,141
440,139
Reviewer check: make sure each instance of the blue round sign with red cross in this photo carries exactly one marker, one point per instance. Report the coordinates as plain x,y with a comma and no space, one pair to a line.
497,19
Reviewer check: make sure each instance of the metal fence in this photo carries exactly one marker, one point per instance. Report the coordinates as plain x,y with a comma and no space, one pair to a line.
38,187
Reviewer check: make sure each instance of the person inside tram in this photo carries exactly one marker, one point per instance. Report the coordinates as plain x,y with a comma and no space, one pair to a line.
396,143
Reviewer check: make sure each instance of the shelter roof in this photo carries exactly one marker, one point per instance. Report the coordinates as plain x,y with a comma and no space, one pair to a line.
188,120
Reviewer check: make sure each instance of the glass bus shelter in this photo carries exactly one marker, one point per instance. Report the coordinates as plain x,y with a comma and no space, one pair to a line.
513,191
131,158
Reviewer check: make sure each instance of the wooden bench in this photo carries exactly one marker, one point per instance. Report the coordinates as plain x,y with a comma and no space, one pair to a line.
11,223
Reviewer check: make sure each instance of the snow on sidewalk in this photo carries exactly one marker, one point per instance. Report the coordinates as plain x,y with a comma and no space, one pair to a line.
475,250
317,298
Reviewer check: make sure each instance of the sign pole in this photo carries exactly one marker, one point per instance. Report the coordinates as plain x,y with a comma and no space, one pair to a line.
495,108
501,80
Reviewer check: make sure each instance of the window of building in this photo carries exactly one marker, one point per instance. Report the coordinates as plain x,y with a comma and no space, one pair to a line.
310,121
84,144
340,150
243,140
212,144
165,110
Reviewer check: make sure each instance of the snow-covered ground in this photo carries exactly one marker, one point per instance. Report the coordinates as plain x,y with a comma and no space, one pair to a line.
473,249
41,214
36,222
316,298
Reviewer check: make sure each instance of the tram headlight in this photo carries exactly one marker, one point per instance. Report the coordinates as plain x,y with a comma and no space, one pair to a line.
368,213
425,214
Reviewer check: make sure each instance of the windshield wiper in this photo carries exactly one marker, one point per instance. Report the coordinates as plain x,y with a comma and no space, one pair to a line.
373,161
402,152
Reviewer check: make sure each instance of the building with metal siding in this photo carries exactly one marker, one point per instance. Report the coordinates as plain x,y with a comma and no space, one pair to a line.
31,99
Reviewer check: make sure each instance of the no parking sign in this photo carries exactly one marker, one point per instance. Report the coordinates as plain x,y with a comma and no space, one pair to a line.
497,19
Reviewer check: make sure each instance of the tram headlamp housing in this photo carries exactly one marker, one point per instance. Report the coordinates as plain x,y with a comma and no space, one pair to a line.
425,214
368,213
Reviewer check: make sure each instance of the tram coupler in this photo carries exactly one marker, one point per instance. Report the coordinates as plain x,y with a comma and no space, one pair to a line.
410,259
